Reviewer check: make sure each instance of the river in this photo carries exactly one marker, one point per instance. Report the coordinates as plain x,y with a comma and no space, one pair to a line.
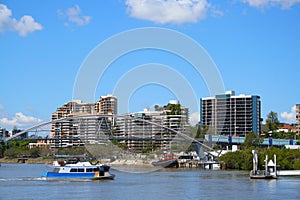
23,181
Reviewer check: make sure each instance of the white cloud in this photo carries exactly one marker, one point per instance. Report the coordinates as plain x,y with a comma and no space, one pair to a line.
168,11
285,4
19,120
194,118
216,13
289,117
74,16
1,107
23,26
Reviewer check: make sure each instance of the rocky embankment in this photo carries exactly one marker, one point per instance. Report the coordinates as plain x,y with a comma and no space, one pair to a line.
134,162
118,162
27,160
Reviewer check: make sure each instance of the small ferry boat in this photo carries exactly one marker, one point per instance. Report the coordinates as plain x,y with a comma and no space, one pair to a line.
168,160
270,171
83,170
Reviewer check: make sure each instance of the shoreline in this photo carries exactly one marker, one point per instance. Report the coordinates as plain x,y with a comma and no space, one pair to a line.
27,160
119,162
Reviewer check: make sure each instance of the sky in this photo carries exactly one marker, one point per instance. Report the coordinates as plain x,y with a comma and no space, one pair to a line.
44,45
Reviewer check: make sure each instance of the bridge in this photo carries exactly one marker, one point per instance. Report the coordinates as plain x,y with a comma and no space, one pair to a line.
234,140
116,128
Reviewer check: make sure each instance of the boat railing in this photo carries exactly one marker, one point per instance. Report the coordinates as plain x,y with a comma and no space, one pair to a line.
260,173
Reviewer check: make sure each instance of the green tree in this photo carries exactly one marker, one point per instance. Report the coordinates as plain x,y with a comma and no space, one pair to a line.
72,151
34,152
174,109
150,146
252,140
272,121
201,131
287,159
2,149
14,152
241,160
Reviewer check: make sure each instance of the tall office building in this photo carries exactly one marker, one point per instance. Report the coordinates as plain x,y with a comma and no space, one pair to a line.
298,119
227,114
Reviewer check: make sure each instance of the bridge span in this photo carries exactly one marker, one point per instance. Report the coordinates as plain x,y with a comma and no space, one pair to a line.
108,130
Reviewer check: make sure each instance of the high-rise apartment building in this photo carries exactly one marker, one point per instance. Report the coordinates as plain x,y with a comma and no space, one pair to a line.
3,133
139,130
75,107
227,114
298,119
107,105
89,126
77,123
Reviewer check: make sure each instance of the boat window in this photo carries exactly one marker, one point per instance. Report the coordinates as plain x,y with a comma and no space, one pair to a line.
106,168
101,173
96,169
74,170
80,170
89,170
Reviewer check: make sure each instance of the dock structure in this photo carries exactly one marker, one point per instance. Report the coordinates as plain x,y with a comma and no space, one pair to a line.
288,173
270,171
22,160
209,165
199,164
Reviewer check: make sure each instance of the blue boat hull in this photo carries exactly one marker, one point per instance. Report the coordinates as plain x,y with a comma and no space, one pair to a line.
87,175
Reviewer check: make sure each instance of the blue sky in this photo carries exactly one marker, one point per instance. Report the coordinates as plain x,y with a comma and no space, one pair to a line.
255,45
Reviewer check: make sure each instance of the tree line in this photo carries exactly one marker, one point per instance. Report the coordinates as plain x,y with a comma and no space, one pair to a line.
20,149
287,159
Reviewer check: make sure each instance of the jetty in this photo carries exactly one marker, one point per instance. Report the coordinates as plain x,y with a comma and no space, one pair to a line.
270,171
22,160
288,173
192,159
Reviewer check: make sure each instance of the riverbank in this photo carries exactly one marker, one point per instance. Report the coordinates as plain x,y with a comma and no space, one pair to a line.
27,160
119,162
135,162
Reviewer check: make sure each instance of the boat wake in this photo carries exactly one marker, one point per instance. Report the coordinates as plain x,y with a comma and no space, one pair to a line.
47,179
23,179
